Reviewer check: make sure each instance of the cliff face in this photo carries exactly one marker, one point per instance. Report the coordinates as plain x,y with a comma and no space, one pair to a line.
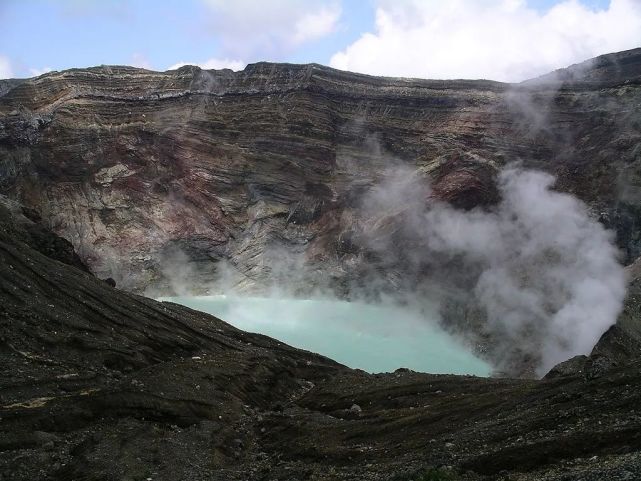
97,383
143,171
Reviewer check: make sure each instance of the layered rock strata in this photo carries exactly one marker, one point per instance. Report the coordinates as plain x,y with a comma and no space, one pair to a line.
139,169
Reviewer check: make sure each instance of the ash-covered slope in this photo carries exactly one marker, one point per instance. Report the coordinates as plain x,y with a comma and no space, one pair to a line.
97,384
139,168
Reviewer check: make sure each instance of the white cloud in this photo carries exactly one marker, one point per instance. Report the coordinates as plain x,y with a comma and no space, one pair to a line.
36,72
494,39
140,61
5,68
259,29
213,63
315,25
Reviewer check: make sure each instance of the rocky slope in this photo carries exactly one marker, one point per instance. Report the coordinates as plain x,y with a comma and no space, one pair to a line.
144,170
101,384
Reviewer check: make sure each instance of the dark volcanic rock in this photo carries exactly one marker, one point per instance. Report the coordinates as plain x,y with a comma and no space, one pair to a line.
573,366
98,383
610,69
7,84
26,224
466,186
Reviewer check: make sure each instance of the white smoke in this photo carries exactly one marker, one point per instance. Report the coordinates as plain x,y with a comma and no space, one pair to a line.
549,280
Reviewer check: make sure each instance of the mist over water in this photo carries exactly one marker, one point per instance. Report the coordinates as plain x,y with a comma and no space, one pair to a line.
539,272
551,276
543,271
374,338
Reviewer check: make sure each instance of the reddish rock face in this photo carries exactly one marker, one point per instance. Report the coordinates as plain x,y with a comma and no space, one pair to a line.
138,168
465,185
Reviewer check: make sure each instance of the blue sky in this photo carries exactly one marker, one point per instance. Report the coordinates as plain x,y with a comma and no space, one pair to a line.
424,38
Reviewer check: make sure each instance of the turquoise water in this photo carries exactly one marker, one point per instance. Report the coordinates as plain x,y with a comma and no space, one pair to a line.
365,336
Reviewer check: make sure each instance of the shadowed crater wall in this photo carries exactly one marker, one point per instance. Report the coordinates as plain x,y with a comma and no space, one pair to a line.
189,179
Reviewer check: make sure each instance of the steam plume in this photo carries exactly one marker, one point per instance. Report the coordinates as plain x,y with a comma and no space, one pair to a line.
545,273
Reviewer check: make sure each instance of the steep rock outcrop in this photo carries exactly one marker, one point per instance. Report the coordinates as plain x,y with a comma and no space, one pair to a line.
25,224
139,168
